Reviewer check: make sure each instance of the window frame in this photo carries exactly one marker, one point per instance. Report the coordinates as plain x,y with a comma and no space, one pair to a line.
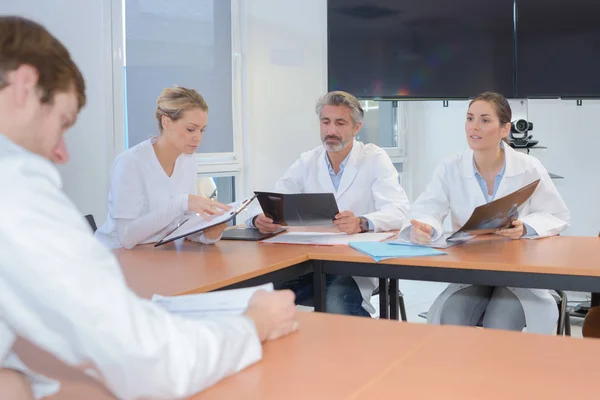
208,164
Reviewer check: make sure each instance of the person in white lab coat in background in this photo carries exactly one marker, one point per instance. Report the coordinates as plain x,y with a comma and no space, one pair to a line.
153,184
62,290
488,170
365,184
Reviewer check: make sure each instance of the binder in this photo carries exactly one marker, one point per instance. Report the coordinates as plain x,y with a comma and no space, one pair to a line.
299,209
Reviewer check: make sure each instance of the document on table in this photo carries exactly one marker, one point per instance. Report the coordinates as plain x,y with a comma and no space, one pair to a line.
384,251
441,243
327,238
219,303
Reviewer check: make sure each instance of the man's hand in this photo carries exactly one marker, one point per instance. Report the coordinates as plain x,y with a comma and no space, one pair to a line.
265,224
420,232
347,222
273,313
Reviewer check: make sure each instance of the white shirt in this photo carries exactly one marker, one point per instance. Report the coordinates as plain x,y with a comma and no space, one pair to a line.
144,203
55,280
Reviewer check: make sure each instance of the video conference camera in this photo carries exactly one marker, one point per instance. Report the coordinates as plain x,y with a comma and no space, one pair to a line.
519,133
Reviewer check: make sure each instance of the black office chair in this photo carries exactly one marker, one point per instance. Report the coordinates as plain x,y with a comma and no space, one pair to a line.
563,326
92,222
400,303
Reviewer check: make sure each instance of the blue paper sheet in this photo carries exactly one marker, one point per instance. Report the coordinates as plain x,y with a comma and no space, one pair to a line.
382,251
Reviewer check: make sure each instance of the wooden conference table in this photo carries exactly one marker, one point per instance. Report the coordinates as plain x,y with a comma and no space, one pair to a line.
332,356
339,357
560,262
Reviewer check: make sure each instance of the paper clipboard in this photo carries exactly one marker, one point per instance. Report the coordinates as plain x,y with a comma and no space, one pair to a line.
198,224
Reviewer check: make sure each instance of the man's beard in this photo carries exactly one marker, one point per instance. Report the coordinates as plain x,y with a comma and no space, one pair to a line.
334,148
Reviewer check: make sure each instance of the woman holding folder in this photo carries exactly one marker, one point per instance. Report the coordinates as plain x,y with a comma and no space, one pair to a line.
153,184
488,170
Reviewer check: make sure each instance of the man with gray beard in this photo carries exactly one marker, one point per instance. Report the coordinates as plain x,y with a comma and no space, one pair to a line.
365,185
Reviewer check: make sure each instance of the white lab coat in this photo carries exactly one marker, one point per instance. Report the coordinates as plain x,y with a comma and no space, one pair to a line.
455,190
369,187
144,204
64,292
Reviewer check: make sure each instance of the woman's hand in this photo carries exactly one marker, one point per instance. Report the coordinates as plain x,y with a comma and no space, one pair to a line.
215,232
205,207
515,232
420,233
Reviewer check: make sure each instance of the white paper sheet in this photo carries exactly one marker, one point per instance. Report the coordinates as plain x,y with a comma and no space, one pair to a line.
224,302
327,238
441,243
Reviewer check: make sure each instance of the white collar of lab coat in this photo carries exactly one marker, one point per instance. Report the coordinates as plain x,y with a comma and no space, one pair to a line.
510,158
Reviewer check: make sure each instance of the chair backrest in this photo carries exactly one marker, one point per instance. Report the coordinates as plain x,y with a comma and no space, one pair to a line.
91,221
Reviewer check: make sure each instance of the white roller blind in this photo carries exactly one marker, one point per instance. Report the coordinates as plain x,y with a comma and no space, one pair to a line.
179,42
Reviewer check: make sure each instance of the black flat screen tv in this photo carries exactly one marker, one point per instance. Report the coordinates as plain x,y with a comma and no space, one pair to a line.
429,49
558,48
421,48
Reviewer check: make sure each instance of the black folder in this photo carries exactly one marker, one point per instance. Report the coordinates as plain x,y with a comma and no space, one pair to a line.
299,209
248,234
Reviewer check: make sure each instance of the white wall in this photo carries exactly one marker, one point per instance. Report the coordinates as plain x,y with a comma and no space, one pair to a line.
572,135
434,132
285,73
84,28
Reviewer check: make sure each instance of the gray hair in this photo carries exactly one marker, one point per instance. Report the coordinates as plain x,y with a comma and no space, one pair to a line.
339,98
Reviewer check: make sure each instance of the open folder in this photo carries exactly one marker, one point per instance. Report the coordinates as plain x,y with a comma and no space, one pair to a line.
198,223
299,209
497,214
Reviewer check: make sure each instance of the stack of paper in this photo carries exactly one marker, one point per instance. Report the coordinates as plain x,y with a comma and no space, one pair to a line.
225,302
384,251
326,238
